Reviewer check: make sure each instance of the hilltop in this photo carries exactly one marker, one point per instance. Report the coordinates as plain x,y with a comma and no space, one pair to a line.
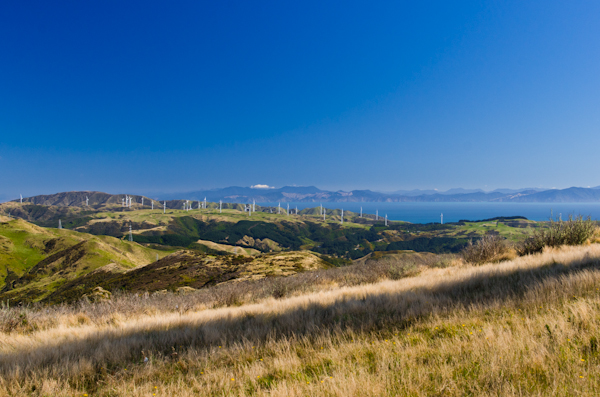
522,327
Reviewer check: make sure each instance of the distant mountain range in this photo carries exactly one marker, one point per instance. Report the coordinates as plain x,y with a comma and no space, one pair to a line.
236,194
314,194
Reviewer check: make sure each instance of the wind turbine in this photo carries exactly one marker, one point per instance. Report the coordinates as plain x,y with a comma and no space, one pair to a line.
321,205
278,208
442,218
288,210
87,201
21,198
253,205
152,202
386,219
296,210
130,235
220,205
204,202
142,201
376,215
324,211
59,224
164,207
342,216
361,212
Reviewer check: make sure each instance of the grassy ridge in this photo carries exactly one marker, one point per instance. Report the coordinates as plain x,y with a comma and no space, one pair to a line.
523,327
35,261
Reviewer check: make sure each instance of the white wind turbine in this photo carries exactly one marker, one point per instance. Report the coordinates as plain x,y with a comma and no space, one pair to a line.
164,207
386,219
342,216
21,198
220,205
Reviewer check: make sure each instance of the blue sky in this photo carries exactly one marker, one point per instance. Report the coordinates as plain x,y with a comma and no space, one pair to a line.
155,97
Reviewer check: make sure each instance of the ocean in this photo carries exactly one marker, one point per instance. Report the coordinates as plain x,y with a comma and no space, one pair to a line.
453,212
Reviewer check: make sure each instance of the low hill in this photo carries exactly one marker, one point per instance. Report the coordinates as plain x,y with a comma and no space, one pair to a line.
35,261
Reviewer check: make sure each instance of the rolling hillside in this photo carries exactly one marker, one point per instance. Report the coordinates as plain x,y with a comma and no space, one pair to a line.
35,261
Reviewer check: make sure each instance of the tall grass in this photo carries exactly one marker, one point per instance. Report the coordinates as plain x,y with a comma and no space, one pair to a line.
490,248
522,327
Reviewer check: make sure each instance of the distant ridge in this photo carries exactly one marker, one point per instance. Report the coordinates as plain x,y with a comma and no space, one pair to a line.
237,194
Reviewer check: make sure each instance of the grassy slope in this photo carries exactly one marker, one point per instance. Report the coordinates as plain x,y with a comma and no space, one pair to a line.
24,245
524,327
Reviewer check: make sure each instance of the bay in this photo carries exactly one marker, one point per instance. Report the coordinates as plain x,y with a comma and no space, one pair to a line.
453,212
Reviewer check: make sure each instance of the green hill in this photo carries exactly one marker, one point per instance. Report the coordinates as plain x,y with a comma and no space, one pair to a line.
35,261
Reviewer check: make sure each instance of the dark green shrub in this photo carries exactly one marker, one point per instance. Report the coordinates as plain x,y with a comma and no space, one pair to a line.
574,231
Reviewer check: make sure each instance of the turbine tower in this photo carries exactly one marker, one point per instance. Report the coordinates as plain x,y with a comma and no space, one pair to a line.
442,218
288,210
130,234
376,215
253,205
342,216
386,219
59,224
164,207
324,211
142,201
278,208
21,198
152,203
87,201
205,202
220,205
361,212
296,210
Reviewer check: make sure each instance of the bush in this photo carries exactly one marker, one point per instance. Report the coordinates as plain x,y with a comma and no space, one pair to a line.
487,249
574,231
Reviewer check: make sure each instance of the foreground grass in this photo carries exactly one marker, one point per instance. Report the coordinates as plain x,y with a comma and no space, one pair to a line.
524,327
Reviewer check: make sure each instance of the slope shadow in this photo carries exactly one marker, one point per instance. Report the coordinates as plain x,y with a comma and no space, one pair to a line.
373,311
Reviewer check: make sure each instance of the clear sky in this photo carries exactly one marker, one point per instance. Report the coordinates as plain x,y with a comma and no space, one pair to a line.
126,96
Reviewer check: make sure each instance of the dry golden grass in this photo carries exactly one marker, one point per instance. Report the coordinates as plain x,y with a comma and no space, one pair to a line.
524,327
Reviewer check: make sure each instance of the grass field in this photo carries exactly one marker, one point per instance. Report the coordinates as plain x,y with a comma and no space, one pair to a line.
528,326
